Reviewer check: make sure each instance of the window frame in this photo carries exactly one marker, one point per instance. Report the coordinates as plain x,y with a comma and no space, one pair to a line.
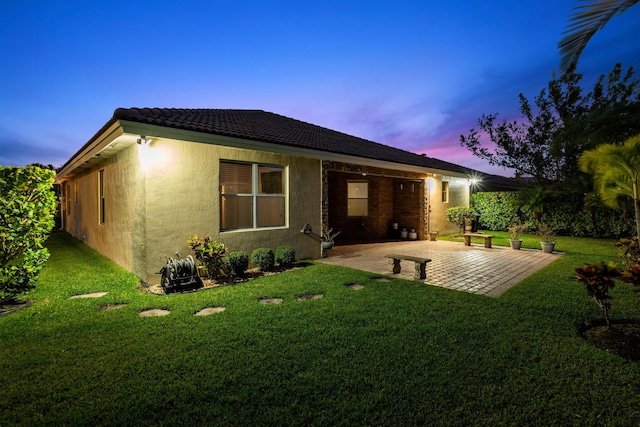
101,198
68,197
256,196
360,181
445,191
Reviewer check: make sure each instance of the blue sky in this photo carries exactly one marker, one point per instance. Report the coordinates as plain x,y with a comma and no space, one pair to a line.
411,74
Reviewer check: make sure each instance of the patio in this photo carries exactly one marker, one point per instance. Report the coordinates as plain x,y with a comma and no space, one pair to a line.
453,265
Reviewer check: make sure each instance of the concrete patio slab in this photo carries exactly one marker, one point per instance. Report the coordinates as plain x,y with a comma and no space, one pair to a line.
475,269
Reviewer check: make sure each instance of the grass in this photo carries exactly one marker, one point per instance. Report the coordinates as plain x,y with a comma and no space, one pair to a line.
397,353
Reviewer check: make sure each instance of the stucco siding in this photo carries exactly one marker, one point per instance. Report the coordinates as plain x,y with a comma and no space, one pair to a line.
182,199
118,238
458,196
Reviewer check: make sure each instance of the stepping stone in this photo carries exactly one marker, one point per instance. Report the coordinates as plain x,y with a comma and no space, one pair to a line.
355,287
309,297
112,307
93,295
381,279
270,300
210,310
154,312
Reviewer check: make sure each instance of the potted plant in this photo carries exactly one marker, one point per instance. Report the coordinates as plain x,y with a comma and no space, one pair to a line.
515,230
547,238
433,234
327,237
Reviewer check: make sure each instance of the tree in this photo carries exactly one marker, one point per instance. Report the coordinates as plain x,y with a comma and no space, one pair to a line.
546,142
584,23
27,205
616,173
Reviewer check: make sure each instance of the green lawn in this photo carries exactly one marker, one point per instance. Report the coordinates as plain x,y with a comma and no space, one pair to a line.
397,354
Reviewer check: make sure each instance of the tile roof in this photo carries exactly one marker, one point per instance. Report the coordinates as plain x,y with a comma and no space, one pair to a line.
258,125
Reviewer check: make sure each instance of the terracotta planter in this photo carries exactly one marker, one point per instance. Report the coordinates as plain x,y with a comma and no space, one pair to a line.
433,236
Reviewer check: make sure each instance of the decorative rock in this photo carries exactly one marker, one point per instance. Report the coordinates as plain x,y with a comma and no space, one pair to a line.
112,307
154,312
210,310
93,295
310,297
271,300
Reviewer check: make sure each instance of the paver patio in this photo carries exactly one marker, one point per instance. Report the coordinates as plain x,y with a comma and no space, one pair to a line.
475,269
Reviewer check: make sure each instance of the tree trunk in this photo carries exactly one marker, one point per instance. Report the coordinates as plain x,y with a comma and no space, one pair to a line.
636,205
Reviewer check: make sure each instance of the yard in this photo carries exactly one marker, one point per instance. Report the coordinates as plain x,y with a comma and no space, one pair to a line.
395,353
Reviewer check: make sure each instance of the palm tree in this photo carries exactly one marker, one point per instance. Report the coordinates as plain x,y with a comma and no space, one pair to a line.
589,17
616,173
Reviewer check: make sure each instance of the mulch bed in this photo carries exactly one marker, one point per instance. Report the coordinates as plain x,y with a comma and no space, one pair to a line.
253,273
622,338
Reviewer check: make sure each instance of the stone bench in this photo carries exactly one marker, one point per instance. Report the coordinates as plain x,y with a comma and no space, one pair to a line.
487,238
420,265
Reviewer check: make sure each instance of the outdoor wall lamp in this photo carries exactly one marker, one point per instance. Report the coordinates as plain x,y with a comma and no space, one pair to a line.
143,140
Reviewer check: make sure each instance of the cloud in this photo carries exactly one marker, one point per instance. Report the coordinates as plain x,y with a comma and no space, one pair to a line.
18,150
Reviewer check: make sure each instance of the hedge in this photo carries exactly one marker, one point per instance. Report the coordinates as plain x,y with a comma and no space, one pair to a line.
571,214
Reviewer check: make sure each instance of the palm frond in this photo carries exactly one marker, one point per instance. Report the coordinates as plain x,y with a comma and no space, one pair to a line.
589,17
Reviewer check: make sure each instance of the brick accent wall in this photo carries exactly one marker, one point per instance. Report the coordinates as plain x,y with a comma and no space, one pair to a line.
394,196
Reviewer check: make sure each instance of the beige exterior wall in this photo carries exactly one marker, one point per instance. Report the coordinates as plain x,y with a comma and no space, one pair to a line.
458,196
122,234
183,199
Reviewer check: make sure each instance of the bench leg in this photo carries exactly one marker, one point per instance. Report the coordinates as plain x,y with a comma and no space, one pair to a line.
487,242
467,240
394,265
421,271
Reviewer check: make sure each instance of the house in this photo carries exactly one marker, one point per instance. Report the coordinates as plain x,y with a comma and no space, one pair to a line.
153,177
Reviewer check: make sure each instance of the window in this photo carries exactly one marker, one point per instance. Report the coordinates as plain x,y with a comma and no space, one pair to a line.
251,196
101,201
75,191
68,196
445,192
358,198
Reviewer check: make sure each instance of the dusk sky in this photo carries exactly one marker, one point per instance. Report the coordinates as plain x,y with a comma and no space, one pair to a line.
410,74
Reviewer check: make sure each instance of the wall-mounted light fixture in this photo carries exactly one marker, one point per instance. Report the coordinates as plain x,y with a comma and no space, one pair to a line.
143,140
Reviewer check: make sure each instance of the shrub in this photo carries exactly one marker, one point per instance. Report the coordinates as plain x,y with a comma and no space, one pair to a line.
497,210
459,215
263,258
238,263
598,280
629,251
210,254
285,256
27,207
567,213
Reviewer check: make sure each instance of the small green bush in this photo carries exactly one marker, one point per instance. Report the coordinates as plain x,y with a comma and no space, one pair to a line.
285,256
263,258
238,263
211,254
